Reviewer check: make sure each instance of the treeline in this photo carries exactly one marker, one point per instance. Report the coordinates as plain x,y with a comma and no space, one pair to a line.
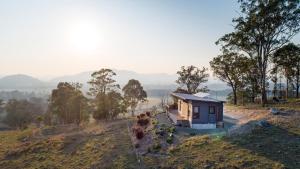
68,104
20,113
259,50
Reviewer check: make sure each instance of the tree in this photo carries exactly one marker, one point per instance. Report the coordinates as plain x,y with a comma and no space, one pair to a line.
1,105
251,81
108,101
108,106
190,78
262,28
19,113
68,103
230,68
134,94
102,81
287,59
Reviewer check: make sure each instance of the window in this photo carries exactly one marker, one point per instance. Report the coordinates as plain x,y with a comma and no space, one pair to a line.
212,110
196,114
196,109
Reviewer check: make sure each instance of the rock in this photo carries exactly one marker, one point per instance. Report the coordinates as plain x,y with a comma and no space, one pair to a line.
274,111
207,166
263,123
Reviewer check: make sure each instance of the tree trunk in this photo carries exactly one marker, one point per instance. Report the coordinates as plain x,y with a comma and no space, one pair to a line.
297,82
234,97
287,88
297,90
264,99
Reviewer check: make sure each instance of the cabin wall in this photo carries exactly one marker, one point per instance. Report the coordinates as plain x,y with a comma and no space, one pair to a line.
203,108
183,108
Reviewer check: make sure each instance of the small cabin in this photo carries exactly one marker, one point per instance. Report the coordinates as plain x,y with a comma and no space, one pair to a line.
198,111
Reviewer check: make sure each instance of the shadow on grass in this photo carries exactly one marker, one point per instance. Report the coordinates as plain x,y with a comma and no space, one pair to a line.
272,142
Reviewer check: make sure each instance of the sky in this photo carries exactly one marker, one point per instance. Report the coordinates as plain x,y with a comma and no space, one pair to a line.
59,37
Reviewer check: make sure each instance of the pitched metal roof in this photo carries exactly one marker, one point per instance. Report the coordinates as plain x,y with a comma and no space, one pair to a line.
195,97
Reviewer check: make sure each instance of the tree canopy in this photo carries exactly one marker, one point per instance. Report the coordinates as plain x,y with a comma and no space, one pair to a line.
68,104
231,68
134,94
261,29
108,101
190,78
102,82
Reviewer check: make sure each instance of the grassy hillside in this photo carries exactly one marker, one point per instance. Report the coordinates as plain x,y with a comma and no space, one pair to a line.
276,146
97,146
108,145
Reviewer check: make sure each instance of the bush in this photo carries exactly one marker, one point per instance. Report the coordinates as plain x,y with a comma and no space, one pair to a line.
170,140
148,114
143,122
138,131
156,147
139,134
171,129
142,115
138,117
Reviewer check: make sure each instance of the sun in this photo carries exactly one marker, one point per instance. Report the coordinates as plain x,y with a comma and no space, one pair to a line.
84,37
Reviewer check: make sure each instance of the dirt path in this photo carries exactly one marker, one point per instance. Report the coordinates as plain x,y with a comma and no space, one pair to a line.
241,115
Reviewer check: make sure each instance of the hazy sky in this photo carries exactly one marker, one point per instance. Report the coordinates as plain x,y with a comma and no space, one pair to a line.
57,37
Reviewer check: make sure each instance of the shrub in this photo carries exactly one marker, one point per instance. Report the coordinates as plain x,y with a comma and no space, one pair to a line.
156,147
154,122
139,134
138,117
170,140
142,115
171,129
143,122
148,114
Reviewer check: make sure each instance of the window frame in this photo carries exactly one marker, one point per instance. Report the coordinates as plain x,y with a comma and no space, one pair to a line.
196,115
209,110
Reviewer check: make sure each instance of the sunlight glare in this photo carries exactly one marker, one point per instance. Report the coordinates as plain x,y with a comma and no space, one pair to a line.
84,37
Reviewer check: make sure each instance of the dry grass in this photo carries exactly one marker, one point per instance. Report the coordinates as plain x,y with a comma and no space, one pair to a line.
105,145
274,147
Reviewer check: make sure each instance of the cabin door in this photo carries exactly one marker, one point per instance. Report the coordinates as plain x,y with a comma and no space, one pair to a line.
212,114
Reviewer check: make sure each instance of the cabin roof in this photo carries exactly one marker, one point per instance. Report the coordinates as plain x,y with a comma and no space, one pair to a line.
195,97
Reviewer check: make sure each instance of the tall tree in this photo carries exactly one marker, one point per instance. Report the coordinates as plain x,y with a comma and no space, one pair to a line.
108,101
109,105
262,28
68,103
134,94
230,68
287,59
102,82
190,78
251,82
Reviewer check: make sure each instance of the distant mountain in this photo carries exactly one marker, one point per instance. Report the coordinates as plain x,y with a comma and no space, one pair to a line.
158,80
149,81
20,81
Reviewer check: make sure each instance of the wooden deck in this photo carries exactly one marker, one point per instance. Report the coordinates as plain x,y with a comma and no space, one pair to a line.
176,118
